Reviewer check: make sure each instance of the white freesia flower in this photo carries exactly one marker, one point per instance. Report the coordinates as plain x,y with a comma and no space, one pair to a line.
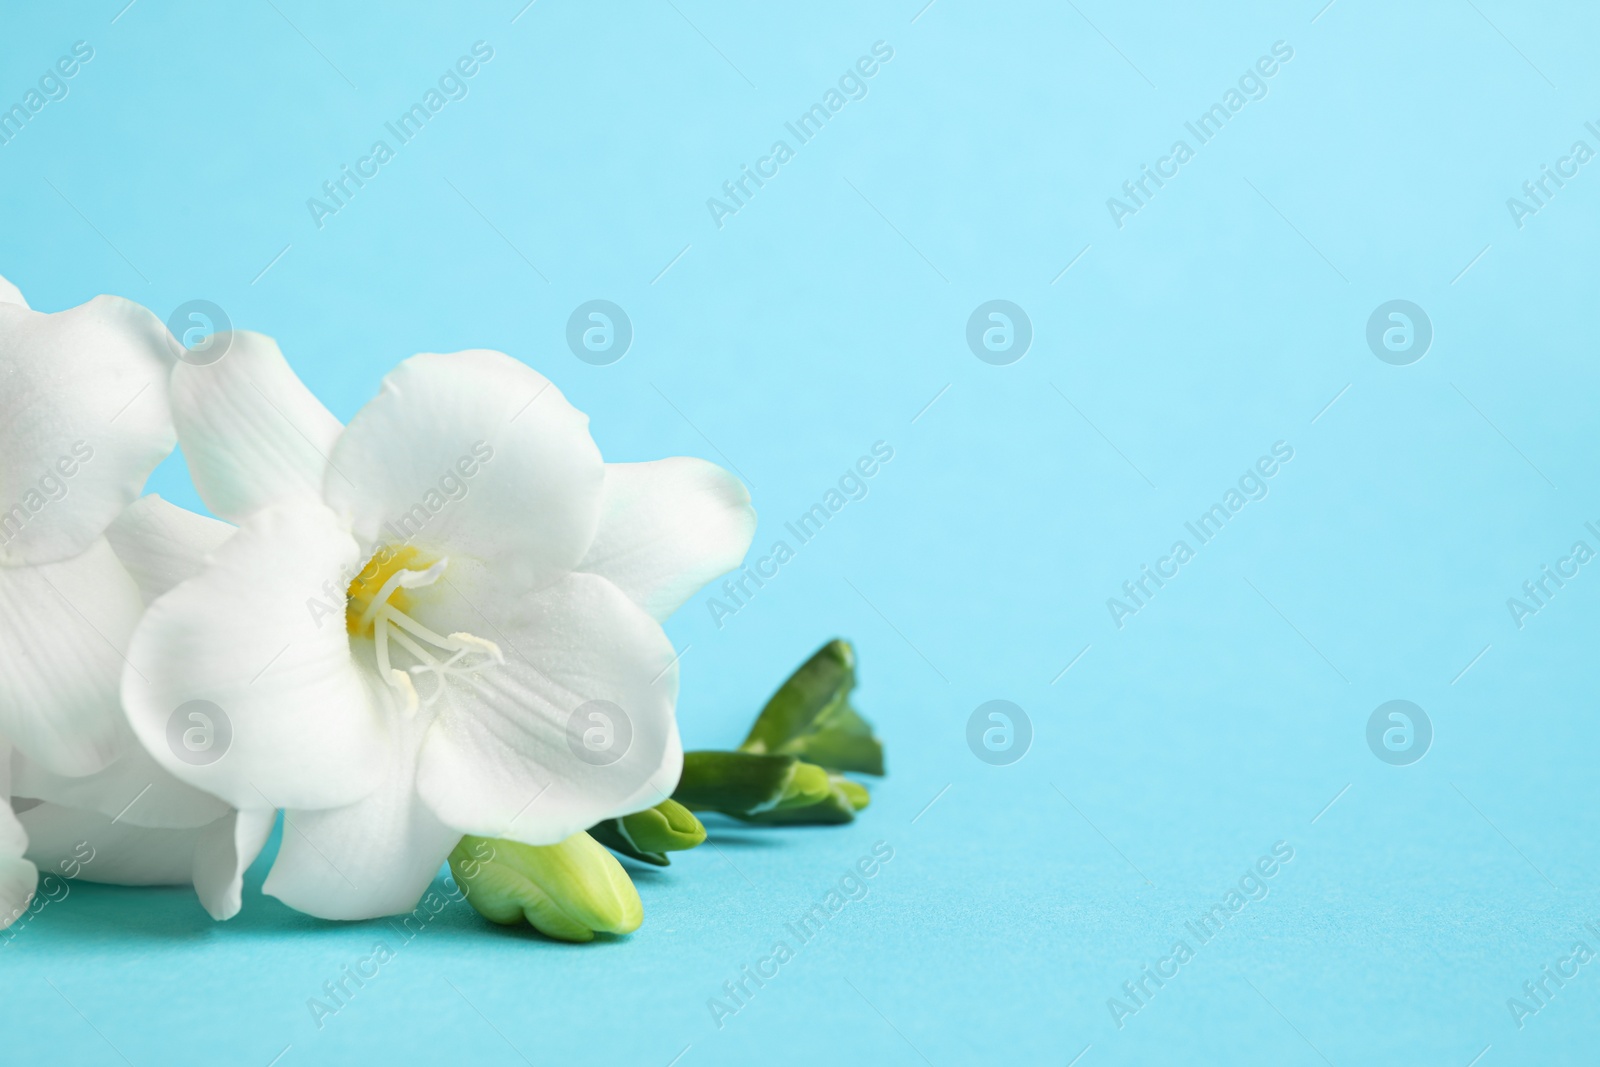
83,421
418,613
141,825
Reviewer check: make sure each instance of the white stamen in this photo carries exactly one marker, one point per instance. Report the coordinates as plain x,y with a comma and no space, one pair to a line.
388,621
406,621
478,644
401,580
380,636
401,681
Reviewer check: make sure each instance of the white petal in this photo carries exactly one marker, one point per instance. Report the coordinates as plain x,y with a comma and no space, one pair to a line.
84,418
252,432
260,637
658,786
63,631
373,858
90,846
162,544
10,294
134,790
224,852
472,454
18,876
503,758
667,528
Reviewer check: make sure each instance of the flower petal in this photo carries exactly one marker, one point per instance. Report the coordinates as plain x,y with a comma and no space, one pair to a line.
18,876
99,849
224,851
84,418
162,544
472,454
259,636
134,790
373,858
63,629
667,528
10,294
95,848
508,756
252,432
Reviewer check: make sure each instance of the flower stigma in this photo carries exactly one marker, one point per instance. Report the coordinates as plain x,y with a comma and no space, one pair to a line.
379,606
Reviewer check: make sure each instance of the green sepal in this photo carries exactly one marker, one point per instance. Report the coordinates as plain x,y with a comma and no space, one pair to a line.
768,790
609,833
831,810
810,716
733,781
842,741
569,891
821,682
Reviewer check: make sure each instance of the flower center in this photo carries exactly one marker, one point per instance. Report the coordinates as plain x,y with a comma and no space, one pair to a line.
378,606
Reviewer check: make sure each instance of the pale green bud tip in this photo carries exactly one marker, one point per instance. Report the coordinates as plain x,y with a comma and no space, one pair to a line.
569,891
807,785
667,827
854,792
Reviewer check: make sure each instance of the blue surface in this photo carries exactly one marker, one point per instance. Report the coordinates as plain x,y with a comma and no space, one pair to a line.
1228,313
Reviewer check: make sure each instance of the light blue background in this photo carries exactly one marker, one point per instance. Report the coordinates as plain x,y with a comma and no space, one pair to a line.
1225,316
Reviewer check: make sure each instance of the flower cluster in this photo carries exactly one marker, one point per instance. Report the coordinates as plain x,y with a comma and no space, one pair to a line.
433,633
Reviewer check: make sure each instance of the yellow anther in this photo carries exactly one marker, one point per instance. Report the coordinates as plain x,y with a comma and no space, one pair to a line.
383,565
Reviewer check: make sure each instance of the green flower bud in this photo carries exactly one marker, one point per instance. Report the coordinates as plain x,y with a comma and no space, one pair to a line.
569,891
667,827
649,835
